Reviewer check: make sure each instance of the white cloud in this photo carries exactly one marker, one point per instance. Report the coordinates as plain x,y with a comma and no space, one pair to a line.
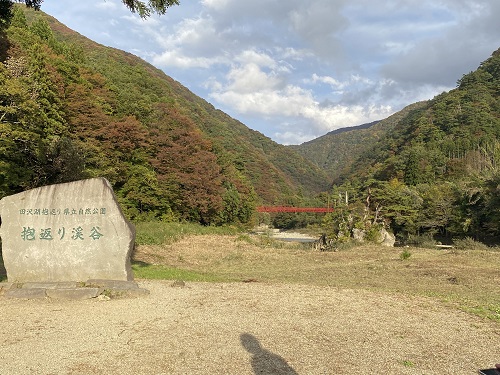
334,83
215,4
177,59
260,59
295,69
108,5
290,105
250,78
318,120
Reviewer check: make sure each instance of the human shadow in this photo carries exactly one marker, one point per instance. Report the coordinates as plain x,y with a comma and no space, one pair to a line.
263,361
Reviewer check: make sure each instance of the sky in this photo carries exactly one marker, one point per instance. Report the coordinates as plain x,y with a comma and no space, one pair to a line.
295,70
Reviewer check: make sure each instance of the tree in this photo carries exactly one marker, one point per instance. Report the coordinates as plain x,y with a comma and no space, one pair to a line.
153,6
35,4
6,9
143,8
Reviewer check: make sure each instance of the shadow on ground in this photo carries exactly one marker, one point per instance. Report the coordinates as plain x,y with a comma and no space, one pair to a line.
264,361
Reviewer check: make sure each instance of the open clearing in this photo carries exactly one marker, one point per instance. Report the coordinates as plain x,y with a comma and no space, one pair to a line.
299,312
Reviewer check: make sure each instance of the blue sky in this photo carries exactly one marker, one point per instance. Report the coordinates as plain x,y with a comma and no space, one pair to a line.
295,70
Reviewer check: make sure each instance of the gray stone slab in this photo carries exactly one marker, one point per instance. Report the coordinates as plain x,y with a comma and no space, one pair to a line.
33,293
56,285
66,232
118,289
112,284
6,285
73,293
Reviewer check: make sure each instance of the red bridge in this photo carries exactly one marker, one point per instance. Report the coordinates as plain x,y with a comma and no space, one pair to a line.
293,209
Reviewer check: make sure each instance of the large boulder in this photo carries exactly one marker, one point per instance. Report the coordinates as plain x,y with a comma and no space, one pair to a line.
66,232
386,238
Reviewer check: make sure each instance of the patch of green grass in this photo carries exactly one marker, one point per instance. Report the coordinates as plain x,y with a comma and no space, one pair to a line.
405,254
161,272
491,311
268,242
245,238
162,233
407,363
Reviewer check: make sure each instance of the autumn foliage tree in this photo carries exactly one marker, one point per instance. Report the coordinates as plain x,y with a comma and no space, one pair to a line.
72,109
187,167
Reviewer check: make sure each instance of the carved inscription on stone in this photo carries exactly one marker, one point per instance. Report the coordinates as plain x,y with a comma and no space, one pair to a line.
67,232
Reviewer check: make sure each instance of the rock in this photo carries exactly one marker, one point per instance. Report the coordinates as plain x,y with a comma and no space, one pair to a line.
387,238
178,284
66,232
358,235
72,293
25,293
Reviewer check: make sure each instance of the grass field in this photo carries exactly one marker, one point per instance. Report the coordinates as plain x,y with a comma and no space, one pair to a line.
465,279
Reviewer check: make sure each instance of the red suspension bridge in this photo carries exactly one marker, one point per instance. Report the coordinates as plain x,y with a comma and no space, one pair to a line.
293,209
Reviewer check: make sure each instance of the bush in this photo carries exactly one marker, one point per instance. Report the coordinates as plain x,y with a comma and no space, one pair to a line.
468,243
405,254
423,241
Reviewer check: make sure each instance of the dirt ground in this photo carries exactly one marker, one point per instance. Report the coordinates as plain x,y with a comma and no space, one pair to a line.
244,328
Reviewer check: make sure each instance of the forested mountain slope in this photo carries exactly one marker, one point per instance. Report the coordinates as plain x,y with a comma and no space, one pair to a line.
71,108
452,136
433,168
335,151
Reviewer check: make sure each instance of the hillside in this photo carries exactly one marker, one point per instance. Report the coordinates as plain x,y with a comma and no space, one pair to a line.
453,136
337,150
71,108
433,168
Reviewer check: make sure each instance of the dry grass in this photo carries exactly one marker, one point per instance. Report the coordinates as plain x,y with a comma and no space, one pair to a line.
358,310
469,280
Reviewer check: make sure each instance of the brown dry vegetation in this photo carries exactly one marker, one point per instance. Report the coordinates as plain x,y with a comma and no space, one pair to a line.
309,313
469,280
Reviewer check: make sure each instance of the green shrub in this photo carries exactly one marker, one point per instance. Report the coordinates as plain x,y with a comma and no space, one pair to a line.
161,272
405,254
424,241
468,243
373,233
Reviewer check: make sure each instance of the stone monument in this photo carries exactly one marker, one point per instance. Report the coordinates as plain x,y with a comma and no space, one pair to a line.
74,231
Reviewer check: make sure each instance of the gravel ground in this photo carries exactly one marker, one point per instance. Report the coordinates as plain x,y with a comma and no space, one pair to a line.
244,328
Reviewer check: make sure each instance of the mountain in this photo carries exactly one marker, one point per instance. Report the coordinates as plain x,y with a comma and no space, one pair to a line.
432,168
438,138
337,150
453,136
71,108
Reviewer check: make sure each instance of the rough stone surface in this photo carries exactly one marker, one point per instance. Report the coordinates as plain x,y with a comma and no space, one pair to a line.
358,235
58,285
178,284
66,232
100,289
125,293
118,288
73,293
388,239
112,284
30,293
4,286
